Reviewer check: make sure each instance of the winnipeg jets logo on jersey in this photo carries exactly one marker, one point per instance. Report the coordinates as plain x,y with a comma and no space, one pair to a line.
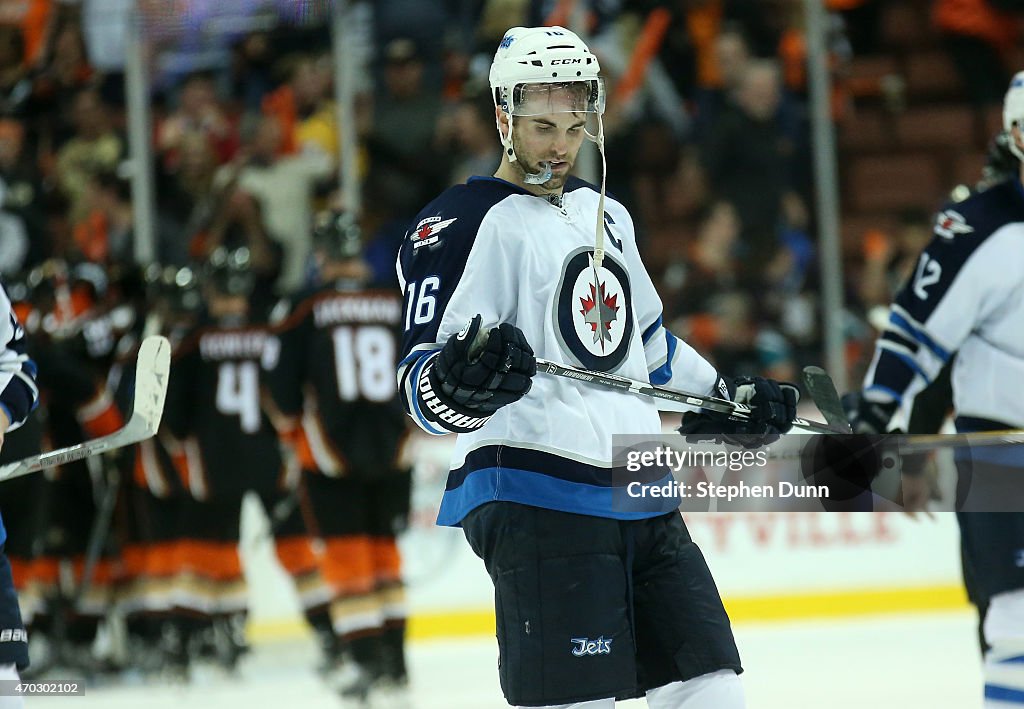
594,311
949,223
426,232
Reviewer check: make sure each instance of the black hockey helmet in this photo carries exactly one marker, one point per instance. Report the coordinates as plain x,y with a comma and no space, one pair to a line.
337,234
229,272
177,288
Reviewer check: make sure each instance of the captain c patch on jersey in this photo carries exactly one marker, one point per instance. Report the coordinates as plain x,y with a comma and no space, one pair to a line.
949,223
427,231
594,311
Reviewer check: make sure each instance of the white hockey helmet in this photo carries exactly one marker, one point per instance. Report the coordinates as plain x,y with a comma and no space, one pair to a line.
543,55
530,64
1013,111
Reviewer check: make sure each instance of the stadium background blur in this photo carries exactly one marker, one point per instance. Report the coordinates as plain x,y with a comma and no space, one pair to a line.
710,148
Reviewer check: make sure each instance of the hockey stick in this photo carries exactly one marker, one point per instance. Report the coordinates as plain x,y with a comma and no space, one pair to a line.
151,371
824,395
736,412
826,398
905,443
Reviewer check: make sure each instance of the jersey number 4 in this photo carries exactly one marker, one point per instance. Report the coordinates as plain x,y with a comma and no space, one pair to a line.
238,393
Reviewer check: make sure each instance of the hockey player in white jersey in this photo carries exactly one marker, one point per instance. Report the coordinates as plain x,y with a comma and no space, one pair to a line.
964,299
18,397
595,599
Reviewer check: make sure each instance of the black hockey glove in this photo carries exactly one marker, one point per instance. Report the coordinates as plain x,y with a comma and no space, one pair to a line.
868,417
476,381
773,408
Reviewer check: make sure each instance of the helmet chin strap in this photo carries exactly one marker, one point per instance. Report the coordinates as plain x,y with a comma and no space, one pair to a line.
599,232
530,178
1014,148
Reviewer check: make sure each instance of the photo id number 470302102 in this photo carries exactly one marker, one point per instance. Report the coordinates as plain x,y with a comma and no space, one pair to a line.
51,688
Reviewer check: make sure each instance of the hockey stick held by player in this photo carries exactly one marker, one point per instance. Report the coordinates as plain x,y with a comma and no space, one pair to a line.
772,411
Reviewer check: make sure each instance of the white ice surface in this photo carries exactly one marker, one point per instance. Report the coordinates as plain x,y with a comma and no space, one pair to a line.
890,662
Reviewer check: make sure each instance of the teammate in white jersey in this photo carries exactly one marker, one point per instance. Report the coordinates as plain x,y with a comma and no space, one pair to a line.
596,598
18,397
964,299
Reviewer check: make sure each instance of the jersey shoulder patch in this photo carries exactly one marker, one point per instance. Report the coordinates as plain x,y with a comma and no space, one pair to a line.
427,231
982,213
450,224
455,213
949,223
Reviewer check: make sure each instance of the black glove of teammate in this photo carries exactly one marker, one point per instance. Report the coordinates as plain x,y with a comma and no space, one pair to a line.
773,408
478,383
868,417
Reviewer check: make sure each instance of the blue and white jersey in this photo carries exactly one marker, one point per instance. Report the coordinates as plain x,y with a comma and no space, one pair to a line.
490,247
965,296
18,392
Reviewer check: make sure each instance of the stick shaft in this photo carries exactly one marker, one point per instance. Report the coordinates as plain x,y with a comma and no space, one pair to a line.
738,412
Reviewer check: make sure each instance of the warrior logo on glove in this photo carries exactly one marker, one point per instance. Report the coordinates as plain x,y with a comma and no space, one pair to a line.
474,375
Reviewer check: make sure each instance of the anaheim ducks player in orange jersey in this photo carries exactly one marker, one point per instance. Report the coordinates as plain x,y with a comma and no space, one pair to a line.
333,382
73,329
226,447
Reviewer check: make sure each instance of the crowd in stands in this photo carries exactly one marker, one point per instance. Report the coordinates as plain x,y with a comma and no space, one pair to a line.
711,151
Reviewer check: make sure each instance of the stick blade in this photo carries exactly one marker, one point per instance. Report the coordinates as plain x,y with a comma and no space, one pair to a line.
152,371
823,392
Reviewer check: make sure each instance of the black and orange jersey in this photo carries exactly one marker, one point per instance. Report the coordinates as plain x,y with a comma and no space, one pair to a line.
334,371
225,442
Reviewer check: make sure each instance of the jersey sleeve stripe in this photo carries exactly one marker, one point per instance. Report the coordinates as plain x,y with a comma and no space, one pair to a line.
410,392
918,334
663,374
652,330
417,352
906,359
897,339
885,390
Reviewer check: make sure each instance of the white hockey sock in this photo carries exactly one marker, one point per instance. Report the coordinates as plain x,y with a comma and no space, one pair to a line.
716,690
1004,678
1004,663
594,704
9,672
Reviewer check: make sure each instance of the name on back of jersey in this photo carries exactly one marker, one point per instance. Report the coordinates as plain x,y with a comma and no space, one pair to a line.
345,308
232,345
